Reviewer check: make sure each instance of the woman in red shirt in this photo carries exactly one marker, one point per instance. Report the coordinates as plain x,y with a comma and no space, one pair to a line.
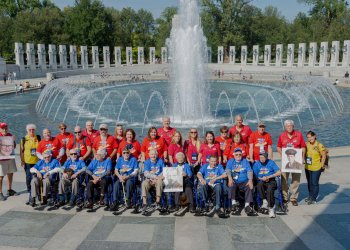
192,146
131,143
237,142
175,147
153,141
209,148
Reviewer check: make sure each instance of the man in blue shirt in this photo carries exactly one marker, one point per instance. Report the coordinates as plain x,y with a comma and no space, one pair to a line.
210,177
98,169
265,171
240,175
44,171
126,171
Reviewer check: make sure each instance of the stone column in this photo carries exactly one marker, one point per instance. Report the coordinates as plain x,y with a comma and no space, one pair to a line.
117,56
312,54
323,54
209,53
279,55
232,54
128,55
152,55
95,57
290,55
346,53
31,56
106,57
63,57
301,54
52,57
42,56
140,56
220,54
267,55
19,55
255,55
335,53
244,55
84,57
164,55
73,57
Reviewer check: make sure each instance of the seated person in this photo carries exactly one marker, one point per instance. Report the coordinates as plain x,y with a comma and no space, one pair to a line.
240,175
187,182
42,171
153,172
72,168
98,169
126,169
210,177
265,171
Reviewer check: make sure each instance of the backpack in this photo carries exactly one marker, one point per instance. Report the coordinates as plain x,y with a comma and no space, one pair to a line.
326,163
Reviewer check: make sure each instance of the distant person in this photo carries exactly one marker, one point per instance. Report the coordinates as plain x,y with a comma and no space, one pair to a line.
4,77
346,76
166,132
241,128
336,82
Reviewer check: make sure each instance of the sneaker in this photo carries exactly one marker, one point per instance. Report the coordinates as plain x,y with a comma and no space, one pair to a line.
114,207
264,205
44,201
2,197
11,192
102,200
211,212
307,199
32,203
156,206
144,209
221,213
272,213
310,202
89,205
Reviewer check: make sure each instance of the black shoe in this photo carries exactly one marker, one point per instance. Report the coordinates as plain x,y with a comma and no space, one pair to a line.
221,213
144,209
114,207
44,201
89,205
102,200
250,211
211,212
235,210
33,204
11,192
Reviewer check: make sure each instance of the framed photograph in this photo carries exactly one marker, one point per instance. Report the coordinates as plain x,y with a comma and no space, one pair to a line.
292,160
7,149
173,179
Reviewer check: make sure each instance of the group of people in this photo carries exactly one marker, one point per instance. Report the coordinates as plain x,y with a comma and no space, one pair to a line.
237,161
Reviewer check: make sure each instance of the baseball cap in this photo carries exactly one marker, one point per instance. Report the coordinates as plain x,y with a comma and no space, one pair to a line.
104,126
3,125
261,124
237,150
265,154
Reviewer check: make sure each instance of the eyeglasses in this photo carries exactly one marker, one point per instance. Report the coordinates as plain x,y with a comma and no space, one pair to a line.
62,128
224,132
193,132
77,132
73,154
103,129
238,154
46,157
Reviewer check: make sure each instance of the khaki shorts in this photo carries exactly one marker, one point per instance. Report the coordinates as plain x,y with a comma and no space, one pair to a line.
7,167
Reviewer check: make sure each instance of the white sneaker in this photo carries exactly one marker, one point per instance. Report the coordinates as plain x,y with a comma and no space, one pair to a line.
264,205
272,213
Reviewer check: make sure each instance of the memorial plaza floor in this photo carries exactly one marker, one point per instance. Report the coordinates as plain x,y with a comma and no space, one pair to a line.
325,225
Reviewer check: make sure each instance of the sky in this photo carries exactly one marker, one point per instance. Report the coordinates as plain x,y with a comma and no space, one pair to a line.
288,8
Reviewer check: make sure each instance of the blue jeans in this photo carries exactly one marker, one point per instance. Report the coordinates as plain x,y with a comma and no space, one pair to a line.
313,178
217,190
27,168
118,190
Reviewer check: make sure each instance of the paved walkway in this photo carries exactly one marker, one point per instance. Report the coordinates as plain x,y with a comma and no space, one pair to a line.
325,225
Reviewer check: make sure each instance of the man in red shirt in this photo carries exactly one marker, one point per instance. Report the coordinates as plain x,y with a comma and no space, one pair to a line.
105,142
290,138
90,132
81,144
49,145
166,132
244,130
260,142
64,137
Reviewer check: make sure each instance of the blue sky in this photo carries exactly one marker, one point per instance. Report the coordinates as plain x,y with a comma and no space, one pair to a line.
288,8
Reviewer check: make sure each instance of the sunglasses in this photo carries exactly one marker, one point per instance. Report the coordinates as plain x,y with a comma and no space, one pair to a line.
77,132
238,154
46,157
62,128
74,154
103,129
193,132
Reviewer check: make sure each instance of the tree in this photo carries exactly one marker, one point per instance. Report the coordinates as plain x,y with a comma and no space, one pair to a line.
163,26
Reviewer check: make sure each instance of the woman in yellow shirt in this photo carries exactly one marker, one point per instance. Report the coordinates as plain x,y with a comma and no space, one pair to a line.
315,158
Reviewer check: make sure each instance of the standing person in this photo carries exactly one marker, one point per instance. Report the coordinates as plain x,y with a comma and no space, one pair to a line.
154,141
175,147
236,142
209,148
241,128
81,144
64,137
49,145
315,158
191,147
7,167
105,142
166,132
28,146
119,133
4,77
223,140
260,142
131,143
90,132
290,138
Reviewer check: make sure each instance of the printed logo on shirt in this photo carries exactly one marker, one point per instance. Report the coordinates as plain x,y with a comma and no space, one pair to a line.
125,168
263,171
45,169
154,169
211,175
73,167
100,170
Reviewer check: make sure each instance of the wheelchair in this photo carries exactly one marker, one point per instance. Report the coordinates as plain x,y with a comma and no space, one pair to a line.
52,196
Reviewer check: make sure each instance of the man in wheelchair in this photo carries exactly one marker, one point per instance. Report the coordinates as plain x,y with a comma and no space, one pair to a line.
44,173
265,172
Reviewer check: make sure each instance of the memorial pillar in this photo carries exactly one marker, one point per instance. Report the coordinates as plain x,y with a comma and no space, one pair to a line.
232,54
31,56
140,56
346,54
152,55
19,53
255,55
335,53
95,57
73,57
117,56
164,55
244,55
209,53
267,55
312,54
42,56
84,57
301,54
220,54
106,57
279,55
323,54
63,57
52,57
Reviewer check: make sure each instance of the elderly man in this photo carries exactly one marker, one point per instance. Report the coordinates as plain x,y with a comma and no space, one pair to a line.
105,142
81,144
50,145
291,138
44,172
244,130
260,142
166,132
90,132
7,167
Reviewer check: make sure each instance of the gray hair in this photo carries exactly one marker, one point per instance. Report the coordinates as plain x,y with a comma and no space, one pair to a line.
179,154
239,116
30,126
89,122
153,151
288,122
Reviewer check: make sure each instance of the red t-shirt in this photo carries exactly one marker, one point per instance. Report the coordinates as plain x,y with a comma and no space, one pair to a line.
158,144
119,140
134,147
64,139
109,144
260,143
223,142
230,149
207,151
79,145
173,149
52,146
191,152
245,132
295,141
167,135
94,133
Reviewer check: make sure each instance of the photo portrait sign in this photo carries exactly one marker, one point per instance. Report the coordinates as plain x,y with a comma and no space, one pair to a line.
173,179
7,149
292,160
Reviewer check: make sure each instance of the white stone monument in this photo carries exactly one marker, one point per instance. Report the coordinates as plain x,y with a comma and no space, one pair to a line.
152,55
290,55
267,55
73,57
335,53
301,54
128,55
244,55
323,54
312,54
95,57
106,57
140,56
255,55
19,53
117,56
42,56
84,57
164,53
232,54
31,56
220,54
52,57
279,55
346,53
209,52
63,57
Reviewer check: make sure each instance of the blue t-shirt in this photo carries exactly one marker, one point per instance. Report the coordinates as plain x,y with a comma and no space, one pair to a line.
76,166
209,173
239,170
126,168
186,168
44,167
268,169
155,168
100,168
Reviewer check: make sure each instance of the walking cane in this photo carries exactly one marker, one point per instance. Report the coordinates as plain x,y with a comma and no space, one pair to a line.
124,193
41,191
